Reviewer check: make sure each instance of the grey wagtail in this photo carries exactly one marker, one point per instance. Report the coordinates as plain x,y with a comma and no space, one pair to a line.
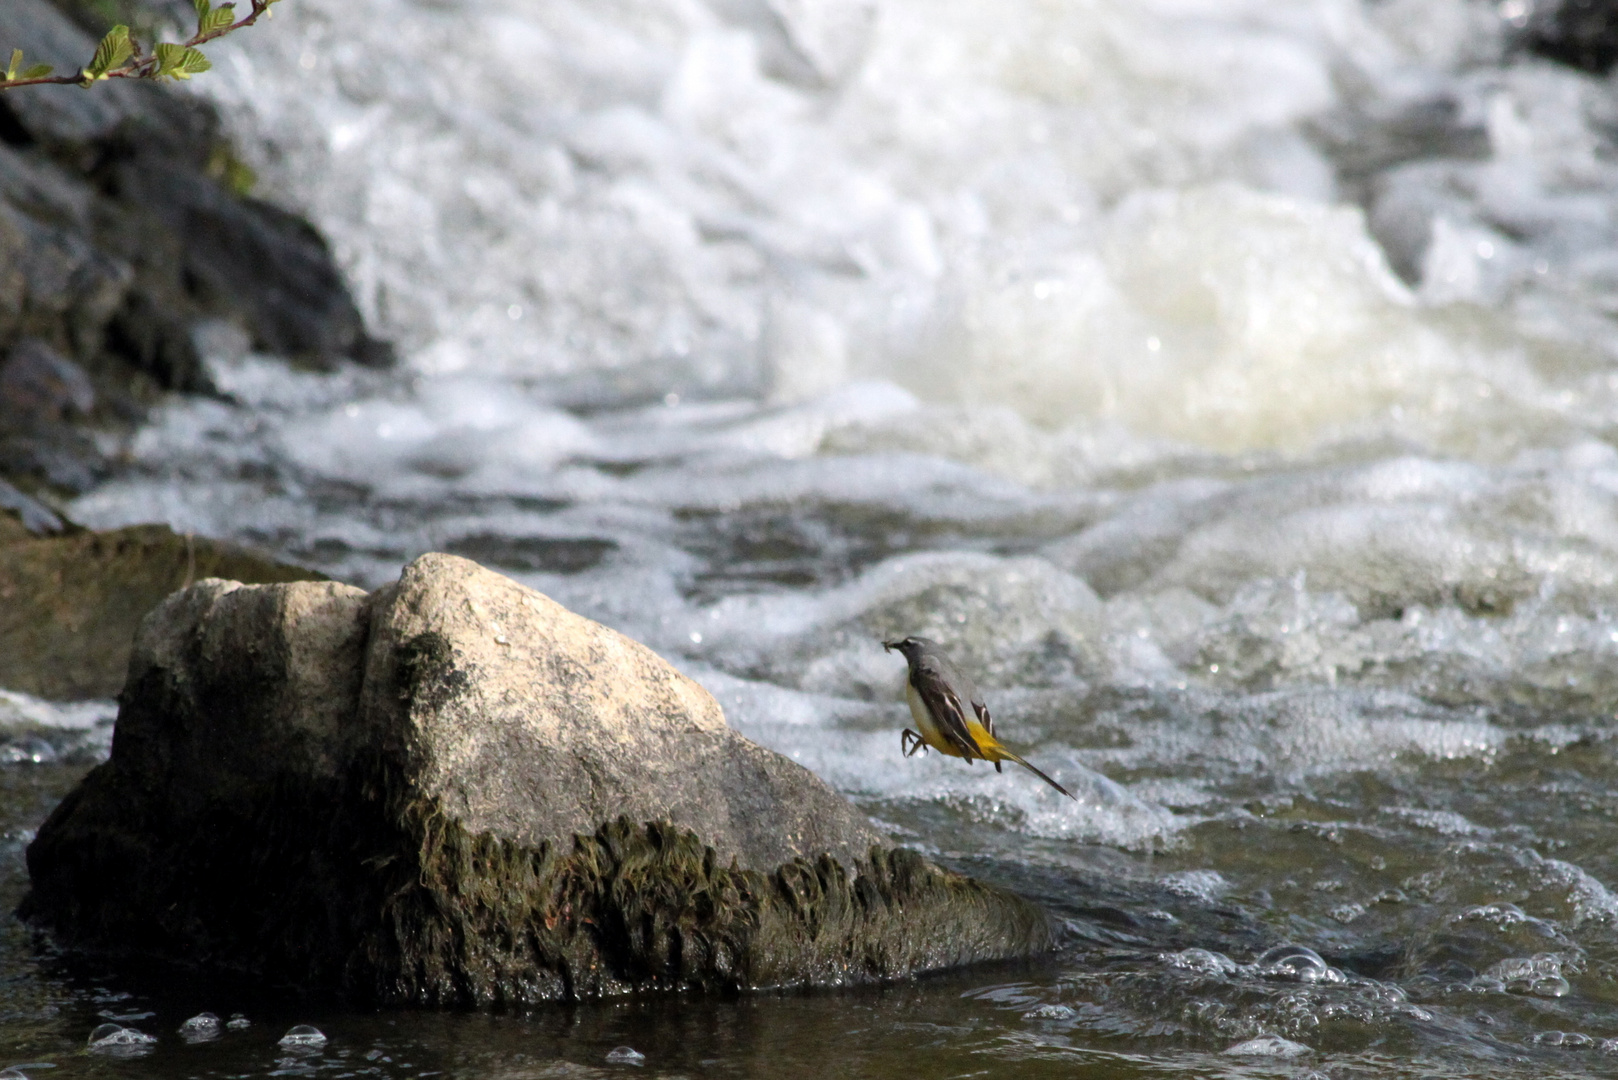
939,693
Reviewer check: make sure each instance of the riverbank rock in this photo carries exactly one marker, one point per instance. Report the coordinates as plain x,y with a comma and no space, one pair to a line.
127,235
71,599
455,791
1580,33
124,220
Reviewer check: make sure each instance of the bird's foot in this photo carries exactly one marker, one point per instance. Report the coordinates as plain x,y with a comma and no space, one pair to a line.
910,742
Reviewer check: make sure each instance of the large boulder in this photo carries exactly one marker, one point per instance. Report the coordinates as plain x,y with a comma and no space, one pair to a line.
455,791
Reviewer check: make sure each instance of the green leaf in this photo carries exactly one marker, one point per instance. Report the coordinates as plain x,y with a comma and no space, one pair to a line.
217,20
114,49
38,71
202,7
179,62
169,57
16,62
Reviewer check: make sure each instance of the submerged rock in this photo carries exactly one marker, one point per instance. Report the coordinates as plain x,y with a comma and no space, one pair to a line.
71,599
455,791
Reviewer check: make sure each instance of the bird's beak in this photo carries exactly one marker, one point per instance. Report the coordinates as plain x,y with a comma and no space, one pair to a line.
889,646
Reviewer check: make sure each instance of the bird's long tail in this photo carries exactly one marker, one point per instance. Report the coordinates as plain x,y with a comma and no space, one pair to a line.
1045,778
1001,749
993,750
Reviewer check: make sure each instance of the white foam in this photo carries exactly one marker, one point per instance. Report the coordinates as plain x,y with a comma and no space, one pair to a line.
24,710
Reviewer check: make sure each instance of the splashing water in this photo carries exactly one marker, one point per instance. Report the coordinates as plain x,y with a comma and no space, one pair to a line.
1229,387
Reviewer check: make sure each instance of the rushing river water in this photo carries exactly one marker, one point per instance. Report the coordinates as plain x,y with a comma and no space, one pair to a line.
1231,385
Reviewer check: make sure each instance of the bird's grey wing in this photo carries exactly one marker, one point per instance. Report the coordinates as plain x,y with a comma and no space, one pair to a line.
964,688
945,708
983,715
986,720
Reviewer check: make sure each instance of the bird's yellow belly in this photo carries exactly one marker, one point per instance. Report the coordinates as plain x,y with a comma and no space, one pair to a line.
935,738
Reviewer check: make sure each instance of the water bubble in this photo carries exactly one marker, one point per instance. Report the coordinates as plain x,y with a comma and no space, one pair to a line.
1498,914
1551,986
303,1035
1298,964
625,1055
1571,1040
1539,975
238,1022
1378,991
119,1041
1196,884
1050,1012
202,1027
1201,961
1347,913
1269,1046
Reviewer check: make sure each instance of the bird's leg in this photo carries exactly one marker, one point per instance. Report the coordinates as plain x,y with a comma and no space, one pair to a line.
910,742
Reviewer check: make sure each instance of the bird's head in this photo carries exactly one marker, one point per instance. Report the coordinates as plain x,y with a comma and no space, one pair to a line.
907,646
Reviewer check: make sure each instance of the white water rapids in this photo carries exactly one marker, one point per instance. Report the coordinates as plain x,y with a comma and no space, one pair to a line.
1230,385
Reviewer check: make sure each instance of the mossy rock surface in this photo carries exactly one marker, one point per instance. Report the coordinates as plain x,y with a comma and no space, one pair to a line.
70,603
455,791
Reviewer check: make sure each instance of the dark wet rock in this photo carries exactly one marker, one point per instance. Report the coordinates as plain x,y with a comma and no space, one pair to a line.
55,285
37,381
270,266
70,602
53,454
35,518
42,393
123,224
455,791
1580,33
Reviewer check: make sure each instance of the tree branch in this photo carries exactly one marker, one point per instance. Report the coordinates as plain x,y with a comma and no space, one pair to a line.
119,56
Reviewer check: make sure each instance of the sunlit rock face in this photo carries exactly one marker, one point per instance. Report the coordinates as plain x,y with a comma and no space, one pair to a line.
455,791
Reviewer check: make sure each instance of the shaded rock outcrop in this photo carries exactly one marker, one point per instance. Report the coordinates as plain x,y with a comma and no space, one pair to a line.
1580,33
119,225
125,225
455,791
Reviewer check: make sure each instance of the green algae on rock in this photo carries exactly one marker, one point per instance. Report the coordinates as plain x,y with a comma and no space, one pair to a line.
455,791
